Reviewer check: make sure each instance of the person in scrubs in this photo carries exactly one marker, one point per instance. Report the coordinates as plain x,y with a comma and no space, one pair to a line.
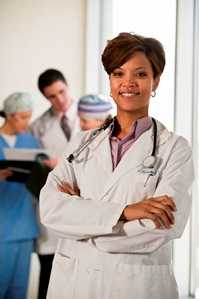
120,194
18,224
93,110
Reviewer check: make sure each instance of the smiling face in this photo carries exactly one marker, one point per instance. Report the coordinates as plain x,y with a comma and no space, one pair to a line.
132,84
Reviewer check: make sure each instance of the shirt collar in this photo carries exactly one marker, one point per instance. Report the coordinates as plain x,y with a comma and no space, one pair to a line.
137,128
70,113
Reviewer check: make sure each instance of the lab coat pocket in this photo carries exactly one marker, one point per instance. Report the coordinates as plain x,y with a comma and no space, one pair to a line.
62,280
90,283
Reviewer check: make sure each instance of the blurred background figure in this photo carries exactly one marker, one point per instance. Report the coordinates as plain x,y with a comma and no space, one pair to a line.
93,110
18,225
54,128
59,123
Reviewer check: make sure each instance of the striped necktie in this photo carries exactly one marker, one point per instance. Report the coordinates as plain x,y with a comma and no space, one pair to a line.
65,126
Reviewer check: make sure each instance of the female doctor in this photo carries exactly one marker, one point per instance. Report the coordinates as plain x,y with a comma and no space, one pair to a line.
120,194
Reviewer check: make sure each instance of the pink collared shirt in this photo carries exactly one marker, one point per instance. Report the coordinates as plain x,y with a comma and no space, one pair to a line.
120,147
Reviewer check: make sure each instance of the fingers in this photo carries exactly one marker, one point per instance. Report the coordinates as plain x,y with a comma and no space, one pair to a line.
51,163
161,208
66,188
162,217
76,189
155,219
5,173
166,200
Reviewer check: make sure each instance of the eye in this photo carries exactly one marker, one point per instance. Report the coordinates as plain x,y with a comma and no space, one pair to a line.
117,73
61,91
141,74
51,97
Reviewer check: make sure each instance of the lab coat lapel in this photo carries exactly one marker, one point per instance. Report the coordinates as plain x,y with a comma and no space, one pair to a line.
102,151
132,158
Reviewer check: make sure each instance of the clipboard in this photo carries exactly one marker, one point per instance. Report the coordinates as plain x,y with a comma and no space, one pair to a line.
25,154
32,173
20,169
27,167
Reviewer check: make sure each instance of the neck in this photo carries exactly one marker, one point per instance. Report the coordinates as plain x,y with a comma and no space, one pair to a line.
59,113
126,121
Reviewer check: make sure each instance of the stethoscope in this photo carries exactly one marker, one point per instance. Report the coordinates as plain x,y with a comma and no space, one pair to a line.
149,165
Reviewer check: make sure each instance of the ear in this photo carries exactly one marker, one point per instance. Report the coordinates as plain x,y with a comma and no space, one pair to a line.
156,83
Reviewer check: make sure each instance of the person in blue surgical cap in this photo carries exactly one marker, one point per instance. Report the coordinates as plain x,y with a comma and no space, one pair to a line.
18,225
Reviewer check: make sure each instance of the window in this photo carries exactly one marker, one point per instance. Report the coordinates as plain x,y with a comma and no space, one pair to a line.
156,19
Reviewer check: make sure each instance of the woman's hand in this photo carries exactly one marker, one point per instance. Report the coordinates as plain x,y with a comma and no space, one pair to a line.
67,188
5,173
158,209
51,163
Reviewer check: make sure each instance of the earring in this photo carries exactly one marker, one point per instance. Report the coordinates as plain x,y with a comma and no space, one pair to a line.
153,94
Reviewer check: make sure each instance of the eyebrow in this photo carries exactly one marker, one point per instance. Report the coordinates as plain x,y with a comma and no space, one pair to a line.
136,69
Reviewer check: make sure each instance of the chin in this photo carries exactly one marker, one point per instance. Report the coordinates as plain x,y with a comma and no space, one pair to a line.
63,109
22,131
132,109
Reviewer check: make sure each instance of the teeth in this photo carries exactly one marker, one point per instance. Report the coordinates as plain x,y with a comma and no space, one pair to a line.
128,94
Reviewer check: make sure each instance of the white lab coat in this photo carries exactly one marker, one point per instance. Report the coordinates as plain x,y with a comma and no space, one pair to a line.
49,132
51,136
98,256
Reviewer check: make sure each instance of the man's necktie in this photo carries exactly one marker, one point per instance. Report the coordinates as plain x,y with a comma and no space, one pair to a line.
65,127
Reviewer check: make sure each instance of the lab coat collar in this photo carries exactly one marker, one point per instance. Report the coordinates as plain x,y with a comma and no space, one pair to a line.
132,159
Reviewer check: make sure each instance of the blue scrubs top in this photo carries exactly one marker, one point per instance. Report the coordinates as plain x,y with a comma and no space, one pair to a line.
17,216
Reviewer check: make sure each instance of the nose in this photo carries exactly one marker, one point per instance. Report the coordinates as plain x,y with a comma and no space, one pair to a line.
129,80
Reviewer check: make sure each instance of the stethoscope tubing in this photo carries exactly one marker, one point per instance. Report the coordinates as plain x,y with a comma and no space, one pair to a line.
155,133
94,135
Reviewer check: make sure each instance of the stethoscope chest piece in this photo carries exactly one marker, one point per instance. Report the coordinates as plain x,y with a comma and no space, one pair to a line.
149,162
149,166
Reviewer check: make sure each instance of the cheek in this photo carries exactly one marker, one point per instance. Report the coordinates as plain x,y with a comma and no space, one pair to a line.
83,125
23,123
95,124
16,124
146,91
56,102
112,85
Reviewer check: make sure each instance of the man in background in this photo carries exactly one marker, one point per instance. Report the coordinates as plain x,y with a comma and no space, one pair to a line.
54,129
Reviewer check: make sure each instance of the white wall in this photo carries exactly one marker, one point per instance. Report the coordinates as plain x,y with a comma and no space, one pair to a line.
36,35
